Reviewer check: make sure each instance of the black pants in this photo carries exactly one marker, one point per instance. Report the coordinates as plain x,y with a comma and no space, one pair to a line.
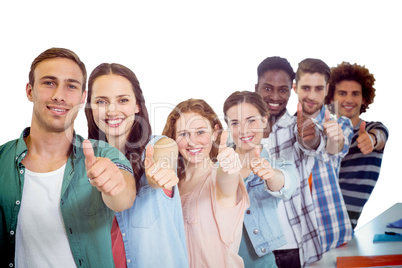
287,258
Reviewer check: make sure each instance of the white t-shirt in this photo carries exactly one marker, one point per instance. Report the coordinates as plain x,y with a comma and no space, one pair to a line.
41,238
291,242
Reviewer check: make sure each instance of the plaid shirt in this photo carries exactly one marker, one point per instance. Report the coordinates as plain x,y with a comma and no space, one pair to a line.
282,143
333,220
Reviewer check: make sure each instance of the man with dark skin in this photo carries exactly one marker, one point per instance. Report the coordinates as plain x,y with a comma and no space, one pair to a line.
293,139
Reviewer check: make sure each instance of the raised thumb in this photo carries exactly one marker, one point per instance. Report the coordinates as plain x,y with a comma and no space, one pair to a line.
362,128
224,137
88,150
149,156
327,116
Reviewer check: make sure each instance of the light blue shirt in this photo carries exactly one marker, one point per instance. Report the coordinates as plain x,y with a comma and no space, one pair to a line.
153,228
261,219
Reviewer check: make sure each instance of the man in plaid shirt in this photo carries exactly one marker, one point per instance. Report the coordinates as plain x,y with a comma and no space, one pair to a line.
312,86
297,215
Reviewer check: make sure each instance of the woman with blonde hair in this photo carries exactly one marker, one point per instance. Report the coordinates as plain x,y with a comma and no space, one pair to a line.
151,232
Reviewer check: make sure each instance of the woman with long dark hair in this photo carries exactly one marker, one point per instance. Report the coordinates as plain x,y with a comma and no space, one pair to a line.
266,181
151,232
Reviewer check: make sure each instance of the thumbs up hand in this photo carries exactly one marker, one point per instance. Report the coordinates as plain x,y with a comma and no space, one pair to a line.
305,126
102,172
261,167
159,174
228,159
332,129
364,141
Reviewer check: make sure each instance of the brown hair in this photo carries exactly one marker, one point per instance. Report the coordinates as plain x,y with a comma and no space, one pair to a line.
313,66
202,108
140,130
56,52
357,73
252,98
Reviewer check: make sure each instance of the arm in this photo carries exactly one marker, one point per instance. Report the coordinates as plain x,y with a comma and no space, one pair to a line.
120,200
371,140
334,133
116,185
274,178
381,140
308,135
228,177
160,164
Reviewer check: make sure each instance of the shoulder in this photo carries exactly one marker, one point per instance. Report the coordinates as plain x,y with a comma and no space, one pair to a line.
8,144
160,139
8,149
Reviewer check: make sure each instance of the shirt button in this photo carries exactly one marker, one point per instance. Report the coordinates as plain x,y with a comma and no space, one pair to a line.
128,260
248,211
255,231
263,250
123,234
10,265
23,155
21,171
17,202
11,232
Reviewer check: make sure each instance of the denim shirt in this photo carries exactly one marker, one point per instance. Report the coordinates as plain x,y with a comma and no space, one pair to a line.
261,219
153,228
87,219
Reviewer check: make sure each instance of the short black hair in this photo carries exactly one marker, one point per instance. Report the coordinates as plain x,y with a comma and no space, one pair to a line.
275,63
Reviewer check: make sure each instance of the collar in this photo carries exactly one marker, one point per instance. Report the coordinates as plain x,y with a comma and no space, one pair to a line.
22,148
284,121
321,115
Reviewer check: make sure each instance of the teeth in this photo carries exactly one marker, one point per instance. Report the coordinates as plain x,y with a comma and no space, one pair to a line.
58,110
246,138
274,104
114,122
194,150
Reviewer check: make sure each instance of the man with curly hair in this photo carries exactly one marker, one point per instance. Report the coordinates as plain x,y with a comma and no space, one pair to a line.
351,89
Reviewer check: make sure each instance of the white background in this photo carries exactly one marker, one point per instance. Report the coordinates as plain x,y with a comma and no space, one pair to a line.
208,49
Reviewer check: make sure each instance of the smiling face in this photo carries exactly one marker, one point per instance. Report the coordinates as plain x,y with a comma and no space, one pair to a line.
114,106
349,96
311,90
56,93
246,126
274,87
194,137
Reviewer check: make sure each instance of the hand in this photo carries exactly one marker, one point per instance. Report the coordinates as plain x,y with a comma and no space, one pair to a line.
332,130
157,174
261,167
228,159
364,141
102,172
305,126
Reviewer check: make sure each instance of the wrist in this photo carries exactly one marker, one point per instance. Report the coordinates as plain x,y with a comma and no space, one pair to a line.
374,140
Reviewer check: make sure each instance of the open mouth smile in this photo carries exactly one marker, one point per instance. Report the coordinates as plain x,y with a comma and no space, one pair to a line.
115,122
246,139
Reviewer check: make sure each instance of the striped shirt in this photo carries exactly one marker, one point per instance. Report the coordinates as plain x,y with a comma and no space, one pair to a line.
332,216
282,143
359,173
